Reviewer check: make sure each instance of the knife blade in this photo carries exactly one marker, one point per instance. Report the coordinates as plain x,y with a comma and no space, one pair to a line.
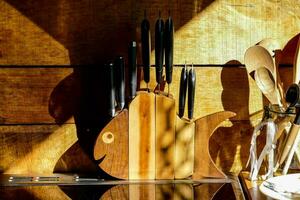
132,69
120,81
146,48
182,91
169,43
191,92
111,86
159,49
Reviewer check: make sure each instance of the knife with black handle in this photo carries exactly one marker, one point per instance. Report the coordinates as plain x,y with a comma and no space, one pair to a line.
146,48
191,92
120,81
159,49
132,69
182,91
169,43
111,86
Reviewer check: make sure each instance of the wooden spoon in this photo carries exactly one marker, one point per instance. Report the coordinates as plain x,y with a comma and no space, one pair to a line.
274,49
259,60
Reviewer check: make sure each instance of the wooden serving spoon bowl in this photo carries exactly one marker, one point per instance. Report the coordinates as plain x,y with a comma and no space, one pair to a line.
258,59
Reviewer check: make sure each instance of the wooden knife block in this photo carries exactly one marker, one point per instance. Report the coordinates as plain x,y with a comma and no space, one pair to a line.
149,141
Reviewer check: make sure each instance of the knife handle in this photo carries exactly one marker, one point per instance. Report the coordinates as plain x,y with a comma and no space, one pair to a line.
182,91
132,69
292,95
146,48
120,81
169,43
191,92
111,85
159,49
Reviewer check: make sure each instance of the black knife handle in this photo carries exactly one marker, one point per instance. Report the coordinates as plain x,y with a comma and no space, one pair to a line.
159,49
169,43
182,91
146,48
111,85
191,93
132,69
120,81
292,95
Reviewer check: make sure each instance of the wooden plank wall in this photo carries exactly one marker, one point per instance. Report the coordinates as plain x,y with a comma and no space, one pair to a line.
47,111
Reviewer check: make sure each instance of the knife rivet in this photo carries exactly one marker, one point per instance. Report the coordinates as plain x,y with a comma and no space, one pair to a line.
108,137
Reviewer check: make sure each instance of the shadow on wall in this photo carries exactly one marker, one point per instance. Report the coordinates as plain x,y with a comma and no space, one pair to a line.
94,31
235,98
82,94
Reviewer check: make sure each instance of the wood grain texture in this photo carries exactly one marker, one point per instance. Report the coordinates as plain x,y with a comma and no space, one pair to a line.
204,166
34,149
183,191
117,192
32,192
142,191
41,95
111,147
27,95
184,148
142,132
165,137
206,31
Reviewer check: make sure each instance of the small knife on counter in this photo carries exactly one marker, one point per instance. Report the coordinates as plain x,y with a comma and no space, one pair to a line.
120,81
111,85
191,92
182,91
169,44
132,69
159,49
146,48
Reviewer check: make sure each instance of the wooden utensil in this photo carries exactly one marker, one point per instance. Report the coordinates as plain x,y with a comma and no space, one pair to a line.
259,60
290,140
